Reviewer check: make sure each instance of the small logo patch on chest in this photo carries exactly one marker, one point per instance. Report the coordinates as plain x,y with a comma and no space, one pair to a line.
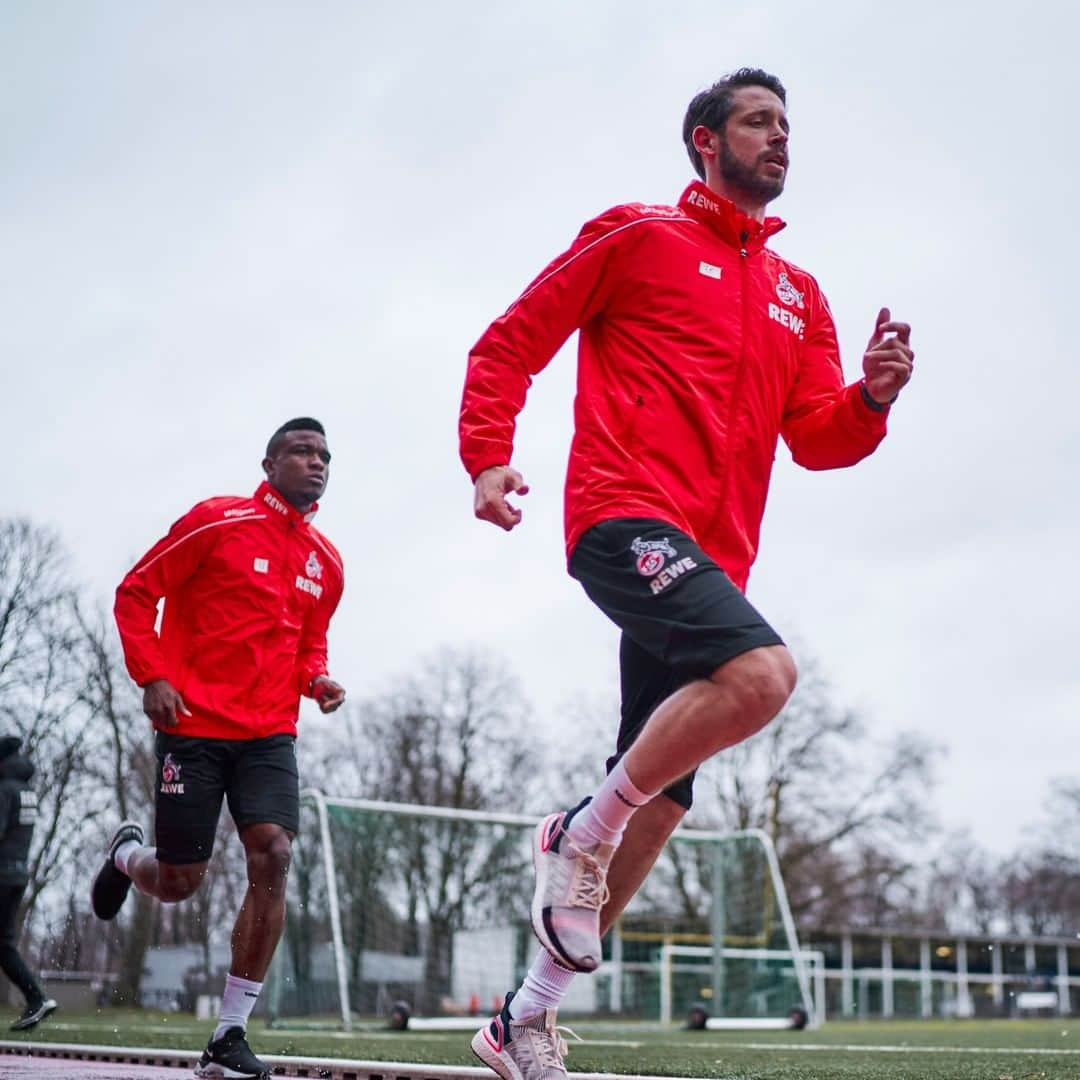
262,566
709,270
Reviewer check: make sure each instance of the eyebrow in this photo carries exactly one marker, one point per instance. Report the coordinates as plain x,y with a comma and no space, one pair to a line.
766,111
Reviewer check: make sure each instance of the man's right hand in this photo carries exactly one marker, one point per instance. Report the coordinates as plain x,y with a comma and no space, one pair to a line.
161,703
492,487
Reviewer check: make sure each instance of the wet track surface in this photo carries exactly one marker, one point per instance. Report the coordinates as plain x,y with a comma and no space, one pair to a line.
13,1067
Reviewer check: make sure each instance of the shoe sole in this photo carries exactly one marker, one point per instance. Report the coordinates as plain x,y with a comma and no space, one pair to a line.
214,1071
540,928
493,1059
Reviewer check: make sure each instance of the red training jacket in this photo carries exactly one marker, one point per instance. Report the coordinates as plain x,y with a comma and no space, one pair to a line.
249,588
699,347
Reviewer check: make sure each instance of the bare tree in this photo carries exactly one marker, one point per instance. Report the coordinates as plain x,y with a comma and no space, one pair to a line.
844,813
454,733
42,662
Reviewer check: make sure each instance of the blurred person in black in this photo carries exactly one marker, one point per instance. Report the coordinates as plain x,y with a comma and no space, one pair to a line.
18,814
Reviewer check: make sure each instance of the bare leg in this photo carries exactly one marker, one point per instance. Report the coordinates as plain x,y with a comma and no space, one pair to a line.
167,882
646,834
708,715
262,916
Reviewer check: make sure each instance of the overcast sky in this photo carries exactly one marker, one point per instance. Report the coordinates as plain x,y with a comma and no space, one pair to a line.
217,216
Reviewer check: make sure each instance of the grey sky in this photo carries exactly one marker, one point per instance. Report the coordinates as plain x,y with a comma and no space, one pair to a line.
215,217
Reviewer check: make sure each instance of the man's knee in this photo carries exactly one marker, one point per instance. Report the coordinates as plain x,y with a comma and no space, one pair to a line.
269,854
175,883
762,680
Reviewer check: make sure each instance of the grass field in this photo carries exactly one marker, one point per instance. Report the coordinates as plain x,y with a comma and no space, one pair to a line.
899,1050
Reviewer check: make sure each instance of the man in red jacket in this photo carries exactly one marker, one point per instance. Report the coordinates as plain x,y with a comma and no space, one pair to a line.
249,588
699,348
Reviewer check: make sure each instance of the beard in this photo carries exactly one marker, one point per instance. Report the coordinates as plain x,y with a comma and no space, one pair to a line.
746,177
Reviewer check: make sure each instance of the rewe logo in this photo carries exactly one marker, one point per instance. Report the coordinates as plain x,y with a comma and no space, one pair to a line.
306,585
273,501
788,319
170,776
675,570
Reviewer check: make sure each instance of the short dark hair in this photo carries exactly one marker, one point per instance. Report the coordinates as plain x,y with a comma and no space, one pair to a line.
300,423
711,108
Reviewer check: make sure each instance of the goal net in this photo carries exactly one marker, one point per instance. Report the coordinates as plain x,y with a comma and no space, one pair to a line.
399,914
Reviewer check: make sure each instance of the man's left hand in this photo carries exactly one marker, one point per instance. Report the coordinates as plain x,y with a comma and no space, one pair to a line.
888,359
327,693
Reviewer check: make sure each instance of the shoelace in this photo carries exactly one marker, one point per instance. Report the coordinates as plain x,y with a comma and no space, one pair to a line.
551,1047
590,888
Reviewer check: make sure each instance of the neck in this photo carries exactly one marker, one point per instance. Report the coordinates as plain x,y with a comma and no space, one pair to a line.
750,205
297,502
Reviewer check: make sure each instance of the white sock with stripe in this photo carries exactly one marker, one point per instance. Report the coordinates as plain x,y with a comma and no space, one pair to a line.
544,987
236,1004
603,818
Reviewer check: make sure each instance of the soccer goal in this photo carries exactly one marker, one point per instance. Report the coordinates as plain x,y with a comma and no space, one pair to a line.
412,916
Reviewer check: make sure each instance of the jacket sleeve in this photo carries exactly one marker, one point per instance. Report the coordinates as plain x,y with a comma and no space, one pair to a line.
311,656
826,424
168,564
518,345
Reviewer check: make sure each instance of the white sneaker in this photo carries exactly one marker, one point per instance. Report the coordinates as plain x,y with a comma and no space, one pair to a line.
571,888
530,1050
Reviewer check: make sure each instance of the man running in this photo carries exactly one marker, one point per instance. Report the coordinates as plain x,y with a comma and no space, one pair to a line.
699,348
18,816
249,588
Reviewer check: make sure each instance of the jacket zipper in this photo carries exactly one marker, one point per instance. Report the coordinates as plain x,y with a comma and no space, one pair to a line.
729,457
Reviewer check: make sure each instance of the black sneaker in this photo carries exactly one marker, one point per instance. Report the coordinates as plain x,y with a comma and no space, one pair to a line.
231,1057
111,885
34,1014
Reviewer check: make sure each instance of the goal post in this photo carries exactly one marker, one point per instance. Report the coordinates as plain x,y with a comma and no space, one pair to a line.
766,967
398,912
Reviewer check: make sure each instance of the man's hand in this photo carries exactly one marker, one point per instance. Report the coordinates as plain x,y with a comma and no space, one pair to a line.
492,487
161,703
887,361
327,693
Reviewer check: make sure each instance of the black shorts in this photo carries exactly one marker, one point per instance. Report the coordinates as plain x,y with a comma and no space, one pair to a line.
679,613
258,776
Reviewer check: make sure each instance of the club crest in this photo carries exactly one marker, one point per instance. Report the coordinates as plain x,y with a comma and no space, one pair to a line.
787,292
651,555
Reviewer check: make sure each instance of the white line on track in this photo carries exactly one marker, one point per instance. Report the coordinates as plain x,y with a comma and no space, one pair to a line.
871,1049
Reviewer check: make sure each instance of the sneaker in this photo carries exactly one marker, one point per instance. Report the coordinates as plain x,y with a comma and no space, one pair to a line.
231,1057
34,1014
571,888
530,1050
111,885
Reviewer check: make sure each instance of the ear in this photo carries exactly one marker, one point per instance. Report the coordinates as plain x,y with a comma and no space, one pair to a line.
267,466
706,141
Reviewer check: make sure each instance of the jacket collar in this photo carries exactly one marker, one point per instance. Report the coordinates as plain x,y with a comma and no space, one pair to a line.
265,495
727,219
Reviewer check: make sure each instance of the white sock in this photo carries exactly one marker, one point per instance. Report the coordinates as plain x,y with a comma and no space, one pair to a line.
603,819
236,1004
544,987
124,852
